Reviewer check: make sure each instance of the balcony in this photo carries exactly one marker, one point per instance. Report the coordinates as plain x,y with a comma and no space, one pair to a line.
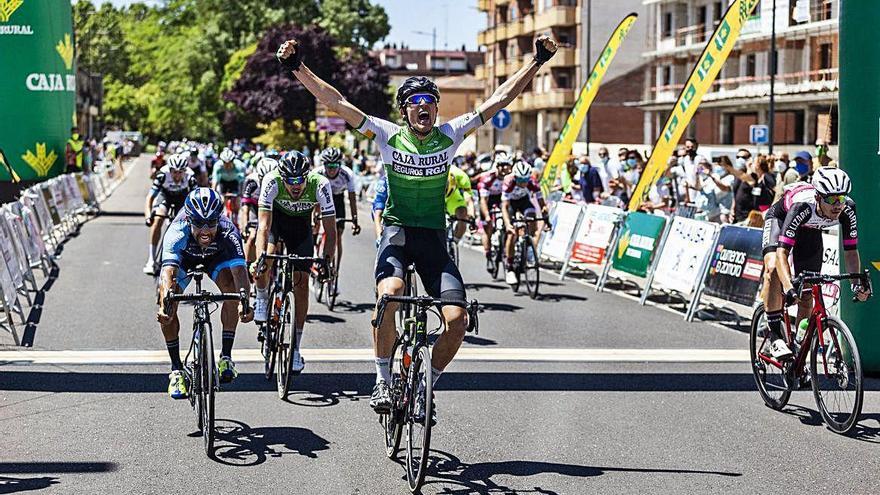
500,32
690,35
556,16
532,102
487,37
515,28
483,5
480,72
565,57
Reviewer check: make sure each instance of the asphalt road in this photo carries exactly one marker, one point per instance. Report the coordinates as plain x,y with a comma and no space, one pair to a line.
573,393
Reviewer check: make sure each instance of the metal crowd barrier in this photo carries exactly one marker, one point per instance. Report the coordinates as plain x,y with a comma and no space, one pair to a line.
33,228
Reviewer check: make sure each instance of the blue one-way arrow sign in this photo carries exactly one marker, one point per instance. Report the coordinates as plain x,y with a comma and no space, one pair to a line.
501,120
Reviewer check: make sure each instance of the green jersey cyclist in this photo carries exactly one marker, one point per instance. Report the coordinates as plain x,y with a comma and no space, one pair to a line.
417,157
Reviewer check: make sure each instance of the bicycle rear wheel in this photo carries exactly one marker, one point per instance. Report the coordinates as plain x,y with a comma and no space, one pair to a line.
332,289
836,370
392,423
269,349
207,388
531,271
317,288
519,266
418,433
286,342
769,377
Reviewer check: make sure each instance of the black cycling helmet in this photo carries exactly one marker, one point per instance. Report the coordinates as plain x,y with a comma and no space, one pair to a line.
415,85
293,164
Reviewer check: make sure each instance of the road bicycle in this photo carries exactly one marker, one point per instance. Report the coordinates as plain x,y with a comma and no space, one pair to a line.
525,257
277,336
326,289
495,259
835,368
412,382
199,367
451,242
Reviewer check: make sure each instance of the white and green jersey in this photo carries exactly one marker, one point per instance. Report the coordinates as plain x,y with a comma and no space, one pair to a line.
274,196
417,169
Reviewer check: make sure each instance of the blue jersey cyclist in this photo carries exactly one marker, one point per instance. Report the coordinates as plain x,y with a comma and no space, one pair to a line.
417,157
201,235
794,225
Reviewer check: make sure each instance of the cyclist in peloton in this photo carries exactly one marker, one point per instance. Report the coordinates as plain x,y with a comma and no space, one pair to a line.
459,200
378,206
794,224
227,178
416,158
201,235
519,194
288,196
250,197
489,187
170,186
341,180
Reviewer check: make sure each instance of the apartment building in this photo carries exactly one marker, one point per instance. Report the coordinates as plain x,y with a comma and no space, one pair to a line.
806,86
541,111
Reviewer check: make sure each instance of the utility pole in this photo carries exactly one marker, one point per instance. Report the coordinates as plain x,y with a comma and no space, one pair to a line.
772,77
586,68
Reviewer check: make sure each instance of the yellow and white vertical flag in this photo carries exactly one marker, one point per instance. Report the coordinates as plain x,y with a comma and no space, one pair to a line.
699,82
562,149
8,166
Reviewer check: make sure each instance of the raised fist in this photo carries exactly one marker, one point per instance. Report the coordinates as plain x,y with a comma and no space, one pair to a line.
289,55
545,48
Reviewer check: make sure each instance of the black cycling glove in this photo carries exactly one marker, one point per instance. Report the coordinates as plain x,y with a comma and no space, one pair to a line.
542,54
791,296
292,62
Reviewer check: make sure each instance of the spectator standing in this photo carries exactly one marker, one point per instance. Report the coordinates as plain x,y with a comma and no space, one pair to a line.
73,151
607,169
800,170
589,180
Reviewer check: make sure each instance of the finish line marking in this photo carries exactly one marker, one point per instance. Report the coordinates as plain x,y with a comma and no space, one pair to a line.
523,355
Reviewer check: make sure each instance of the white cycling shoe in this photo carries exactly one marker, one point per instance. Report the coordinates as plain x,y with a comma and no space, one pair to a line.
261,310
778,349
510,277
299,363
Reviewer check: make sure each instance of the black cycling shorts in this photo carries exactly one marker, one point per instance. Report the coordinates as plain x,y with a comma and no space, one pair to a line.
229,186
426,248
296,233
172,203
806,254
491,202
339,204
522,205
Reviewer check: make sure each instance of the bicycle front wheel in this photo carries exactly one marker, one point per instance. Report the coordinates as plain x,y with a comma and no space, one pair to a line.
418,436
769,376
531,271
206,389
317,288
286,341
332,289
836,372
392,423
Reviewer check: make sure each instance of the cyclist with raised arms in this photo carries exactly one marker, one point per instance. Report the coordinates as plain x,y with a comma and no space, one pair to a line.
416,157
288,197
201,235
519,194
489,187
341,180
170,186
794,225
250,197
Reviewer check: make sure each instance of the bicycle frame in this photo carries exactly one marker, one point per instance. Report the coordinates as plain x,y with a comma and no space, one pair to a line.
818,317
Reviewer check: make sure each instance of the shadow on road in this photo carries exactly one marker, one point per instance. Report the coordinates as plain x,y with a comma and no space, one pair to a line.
446,468
10,484
237,444
362,383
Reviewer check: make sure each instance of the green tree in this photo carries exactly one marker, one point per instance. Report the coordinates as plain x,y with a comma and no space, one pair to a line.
357,24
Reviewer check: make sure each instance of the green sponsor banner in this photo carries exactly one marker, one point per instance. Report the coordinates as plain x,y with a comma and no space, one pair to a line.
860,157
638,240
37,86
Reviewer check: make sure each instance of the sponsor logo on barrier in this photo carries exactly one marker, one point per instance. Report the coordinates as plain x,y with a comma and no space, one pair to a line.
735,264
40,161
50,82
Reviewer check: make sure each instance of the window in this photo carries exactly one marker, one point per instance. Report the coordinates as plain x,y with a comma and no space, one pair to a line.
666,75
719,11
825,56
548,85
564,80
667,25
751,65
703,15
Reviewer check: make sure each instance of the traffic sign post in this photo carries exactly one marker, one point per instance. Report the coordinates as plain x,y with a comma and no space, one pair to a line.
759,134
501,120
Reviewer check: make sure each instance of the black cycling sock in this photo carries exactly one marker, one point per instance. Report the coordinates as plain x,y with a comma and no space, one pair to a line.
774,322
228,339
174,352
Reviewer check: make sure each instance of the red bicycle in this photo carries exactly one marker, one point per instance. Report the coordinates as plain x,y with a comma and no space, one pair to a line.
835,366
231,206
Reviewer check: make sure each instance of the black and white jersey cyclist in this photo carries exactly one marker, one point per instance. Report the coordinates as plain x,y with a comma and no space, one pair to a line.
342,184
170,186
250,199
794,225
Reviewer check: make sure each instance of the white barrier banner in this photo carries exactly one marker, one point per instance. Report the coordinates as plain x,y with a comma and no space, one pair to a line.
36,246
56,198
687,246
9,257
18,238
7,286
42,210
564,218
594,234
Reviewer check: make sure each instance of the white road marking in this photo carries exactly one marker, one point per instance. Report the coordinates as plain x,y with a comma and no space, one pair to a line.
574,355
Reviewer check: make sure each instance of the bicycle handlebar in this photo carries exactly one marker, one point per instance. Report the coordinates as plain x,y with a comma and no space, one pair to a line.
425,302
205,296
864,279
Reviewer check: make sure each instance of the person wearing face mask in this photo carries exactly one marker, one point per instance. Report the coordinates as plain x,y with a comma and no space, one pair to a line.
571,190
632,172
690,161
589,180
714,190
800,169
607,169
73,152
